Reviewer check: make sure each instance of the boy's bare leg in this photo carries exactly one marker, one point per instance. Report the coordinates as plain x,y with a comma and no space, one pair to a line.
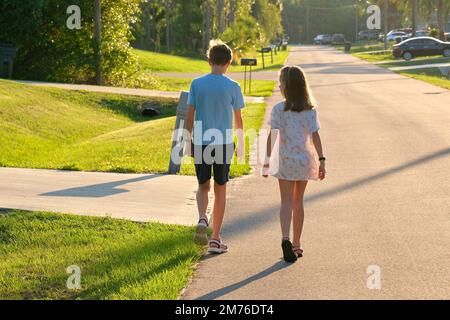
201,237
203,199
220,201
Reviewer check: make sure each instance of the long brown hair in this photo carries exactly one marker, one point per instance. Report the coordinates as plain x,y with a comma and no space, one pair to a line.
297,92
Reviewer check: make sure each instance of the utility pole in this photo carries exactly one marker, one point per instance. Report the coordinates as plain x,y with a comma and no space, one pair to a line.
307,23
168,24
386,21
357,20
97,37
414,16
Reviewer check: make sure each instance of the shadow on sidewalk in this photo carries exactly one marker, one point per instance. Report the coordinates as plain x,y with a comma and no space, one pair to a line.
99,190
257,219
223,291
356,82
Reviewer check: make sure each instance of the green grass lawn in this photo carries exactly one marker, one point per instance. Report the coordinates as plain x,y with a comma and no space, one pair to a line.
118,259
416,62
374,57
360,50
161,62
260,88
430,75
363,46
58,129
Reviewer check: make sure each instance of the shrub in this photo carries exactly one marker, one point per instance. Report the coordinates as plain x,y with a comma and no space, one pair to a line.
49,51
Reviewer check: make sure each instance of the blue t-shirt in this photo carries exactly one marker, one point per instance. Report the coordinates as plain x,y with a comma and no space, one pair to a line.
214,97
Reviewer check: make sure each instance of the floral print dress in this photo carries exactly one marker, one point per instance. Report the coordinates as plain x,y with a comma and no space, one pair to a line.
293,156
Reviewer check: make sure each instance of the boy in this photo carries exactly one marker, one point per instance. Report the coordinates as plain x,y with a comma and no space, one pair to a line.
213,99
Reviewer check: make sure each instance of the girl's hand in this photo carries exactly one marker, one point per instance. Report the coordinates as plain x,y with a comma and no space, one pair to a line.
322,170
265,171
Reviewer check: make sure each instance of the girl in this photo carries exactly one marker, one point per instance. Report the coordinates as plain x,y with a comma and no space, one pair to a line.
290,153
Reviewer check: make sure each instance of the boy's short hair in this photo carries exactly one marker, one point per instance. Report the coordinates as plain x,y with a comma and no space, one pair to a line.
219,53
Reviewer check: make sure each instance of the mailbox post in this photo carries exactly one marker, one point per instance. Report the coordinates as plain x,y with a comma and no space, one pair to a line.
263,51
176,152
7,55
251,63
274,48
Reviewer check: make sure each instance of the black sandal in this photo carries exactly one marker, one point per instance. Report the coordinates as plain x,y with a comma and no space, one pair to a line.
288,251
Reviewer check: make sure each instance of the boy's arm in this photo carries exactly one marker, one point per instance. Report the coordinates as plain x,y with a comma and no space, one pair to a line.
189,125
239,125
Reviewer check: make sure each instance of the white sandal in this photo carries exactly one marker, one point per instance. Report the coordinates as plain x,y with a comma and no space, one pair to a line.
217,247
201,232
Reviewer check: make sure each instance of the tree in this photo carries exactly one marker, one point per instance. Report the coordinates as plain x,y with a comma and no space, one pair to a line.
443,10
220,10
232,12
168,4
49,51
208,22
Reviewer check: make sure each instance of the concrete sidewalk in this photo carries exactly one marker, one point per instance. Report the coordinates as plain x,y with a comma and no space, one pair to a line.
117,90
138,197
422,66
256,75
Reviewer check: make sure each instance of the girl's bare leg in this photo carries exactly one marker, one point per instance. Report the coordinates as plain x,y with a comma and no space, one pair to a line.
299,211
287,193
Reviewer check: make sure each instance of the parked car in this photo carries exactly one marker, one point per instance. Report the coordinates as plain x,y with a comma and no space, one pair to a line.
421,46
393,36
408,31
422,33
338,39
322,39
368,35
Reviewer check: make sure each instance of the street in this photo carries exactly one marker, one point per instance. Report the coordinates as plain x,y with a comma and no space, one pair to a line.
385,201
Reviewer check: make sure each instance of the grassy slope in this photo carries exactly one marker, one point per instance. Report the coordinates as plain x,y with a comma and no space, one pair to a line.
118,259
59,129
430,75
260,88
416,62
160,62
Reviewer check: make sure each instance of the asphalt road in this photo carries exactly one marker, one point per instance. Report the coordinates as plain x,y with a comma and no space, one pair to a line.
385,202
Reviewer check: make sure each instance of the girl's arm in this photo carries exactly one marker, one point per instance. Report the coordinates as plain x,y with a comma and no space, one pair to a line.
318,145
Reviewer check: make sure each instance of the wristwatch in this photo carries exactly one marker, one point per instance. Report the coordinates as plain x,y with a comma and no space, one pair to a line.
322,159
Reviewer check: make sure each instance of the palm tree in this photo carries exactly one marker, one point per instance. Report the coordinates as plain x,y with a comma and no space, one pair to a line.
443,9
220,10
208,21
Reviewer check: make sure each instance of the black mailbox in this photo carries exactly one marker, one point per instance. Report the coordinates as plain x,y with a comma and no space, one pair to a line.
7,55
249,62
266,50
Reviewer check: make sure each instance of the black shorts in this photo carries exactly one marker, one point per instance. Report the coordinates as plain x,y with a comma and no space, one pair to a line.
213,158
